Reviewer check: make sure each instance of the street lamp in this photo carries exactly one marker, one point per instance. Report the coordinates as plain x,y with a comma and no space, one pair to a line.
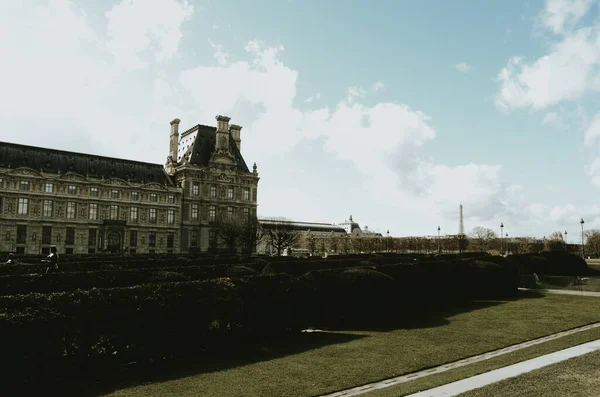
506,235
566,243
501,236
582,249
387,240
439,246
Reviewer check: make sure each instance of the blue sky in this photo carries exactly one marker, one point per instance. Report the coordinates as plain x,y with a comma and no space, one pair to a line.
393,111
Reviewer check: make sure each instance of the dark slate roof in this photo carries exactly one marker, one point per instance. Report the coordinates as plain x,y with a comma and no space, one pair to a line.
60,161
204,147
304,226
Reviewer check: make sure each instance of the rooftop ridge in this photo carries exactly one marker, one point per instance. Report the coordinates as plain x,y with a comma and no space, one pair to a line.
59,151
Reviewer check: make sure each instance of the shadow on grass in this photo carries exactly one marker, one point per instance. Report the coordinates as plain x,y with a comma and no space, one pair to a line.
235,353
430,315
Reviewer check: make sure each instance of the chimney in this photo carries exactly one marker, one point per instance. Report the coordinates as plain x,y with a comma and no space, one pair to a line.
174,139
222,135
235,134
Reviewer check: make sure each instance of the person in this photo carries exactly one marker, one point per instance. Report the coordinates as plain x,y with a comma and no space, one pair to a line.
11,259
52,259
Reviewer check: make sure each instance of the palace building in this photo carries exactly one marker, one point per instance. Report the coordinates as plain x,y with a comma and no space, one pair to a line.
84,203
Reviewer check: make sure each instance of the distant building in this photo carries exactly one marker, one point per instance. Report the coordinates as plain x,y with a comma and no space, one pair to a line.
353,228
84,203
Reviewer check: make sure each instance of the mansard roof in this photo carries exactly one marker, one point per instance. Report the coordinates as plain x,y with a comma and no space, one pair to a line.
197,145
46,160
304,226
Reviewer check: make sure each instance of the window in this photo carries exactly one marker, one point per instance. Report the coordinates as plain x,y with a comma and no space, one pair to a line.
24,186
194,238
114,212
152,215
47,210
72,189
49,188
21,234
170,239
213,191
230,193
93,211
246,214
212,238
114,194
195,188
153,197
70,238
46,234
94,192
171,199
23,206
246,193
253,194
133,238
135,196
194,211
71,209
229,211
152,239
1,182
170,217
92,233
133,214
212,213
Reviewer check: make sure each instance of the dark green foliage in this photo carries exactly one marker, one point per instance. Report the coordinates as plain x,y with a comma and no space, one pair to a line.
555,263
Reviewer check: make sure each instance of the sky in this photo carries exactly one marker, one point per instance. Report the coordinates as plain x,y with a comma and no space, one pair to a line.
394,112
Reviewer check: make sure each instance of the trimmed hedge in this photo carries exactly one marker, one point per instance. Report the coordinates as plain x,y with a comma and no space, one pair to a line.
555,263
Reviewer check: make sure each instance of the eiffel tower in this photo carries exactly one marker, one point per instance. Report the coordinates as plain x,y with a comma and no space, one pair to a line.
461,226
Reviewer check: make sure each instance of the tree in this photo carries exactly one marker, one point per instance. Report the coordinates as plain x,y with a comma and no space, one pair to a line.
346,244
250,234
229,230
521,245
555,242
311,242
280,233
592,243
334,242
463,242
483,238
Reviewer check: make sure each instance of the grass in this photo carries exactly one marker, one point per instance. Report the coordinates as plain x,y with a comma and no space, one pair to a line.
468,371
576,377
371,355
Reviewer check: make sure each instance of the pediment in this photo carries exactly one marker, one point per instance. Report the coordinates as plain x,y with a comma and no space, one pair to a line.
73,176
154,185
25,171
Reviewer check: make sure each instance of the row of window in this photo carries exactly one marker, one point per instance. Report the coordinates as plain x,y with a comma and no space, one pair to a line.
212,212
113,214
213,191
95,192
92,237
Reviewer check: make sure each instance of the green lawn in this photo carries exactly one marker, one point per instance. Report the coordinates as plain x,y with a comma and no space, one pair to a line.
341,360
468,371
576,377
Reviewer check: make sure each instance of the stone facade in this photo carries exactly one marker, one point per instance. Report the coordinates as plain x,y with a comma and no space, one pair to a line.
85,204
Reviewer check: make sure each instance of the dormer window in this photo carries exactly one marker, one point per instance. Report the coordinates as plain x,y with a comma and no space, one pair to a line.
153,197
24,186
72,189
114,194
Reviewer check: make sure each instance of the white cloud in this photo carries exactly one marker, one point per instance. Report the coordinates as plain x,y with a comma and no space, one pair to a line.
568,72
462,67
593,131
377,86
355,92
136,27
559,15
220,55
310,99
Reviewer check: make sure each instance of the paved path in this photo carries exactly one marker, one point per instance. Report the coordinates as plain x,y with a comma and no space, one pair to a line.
461,363
475,382
564,292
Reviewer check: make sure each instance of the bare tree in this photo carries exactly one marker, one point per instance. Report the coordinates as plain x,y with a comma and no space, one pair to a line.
463,242
280,233
592,243
358,244
334,242
250,234
229,230
311,242
555,242
346,244
483,238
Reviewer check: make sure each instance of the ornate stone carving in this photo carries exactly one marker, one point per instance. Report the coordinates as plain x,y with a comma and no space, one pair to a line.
223,178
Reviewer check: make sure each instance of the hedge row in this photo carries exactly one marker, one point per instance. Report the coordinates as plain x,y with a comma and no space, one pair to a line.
555,263
69,281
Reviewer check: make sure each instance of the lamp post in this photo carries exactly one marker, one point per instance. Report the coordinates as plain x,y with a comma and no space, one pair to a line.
582,249
566,243
387,240
439,246
501,236
506,235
